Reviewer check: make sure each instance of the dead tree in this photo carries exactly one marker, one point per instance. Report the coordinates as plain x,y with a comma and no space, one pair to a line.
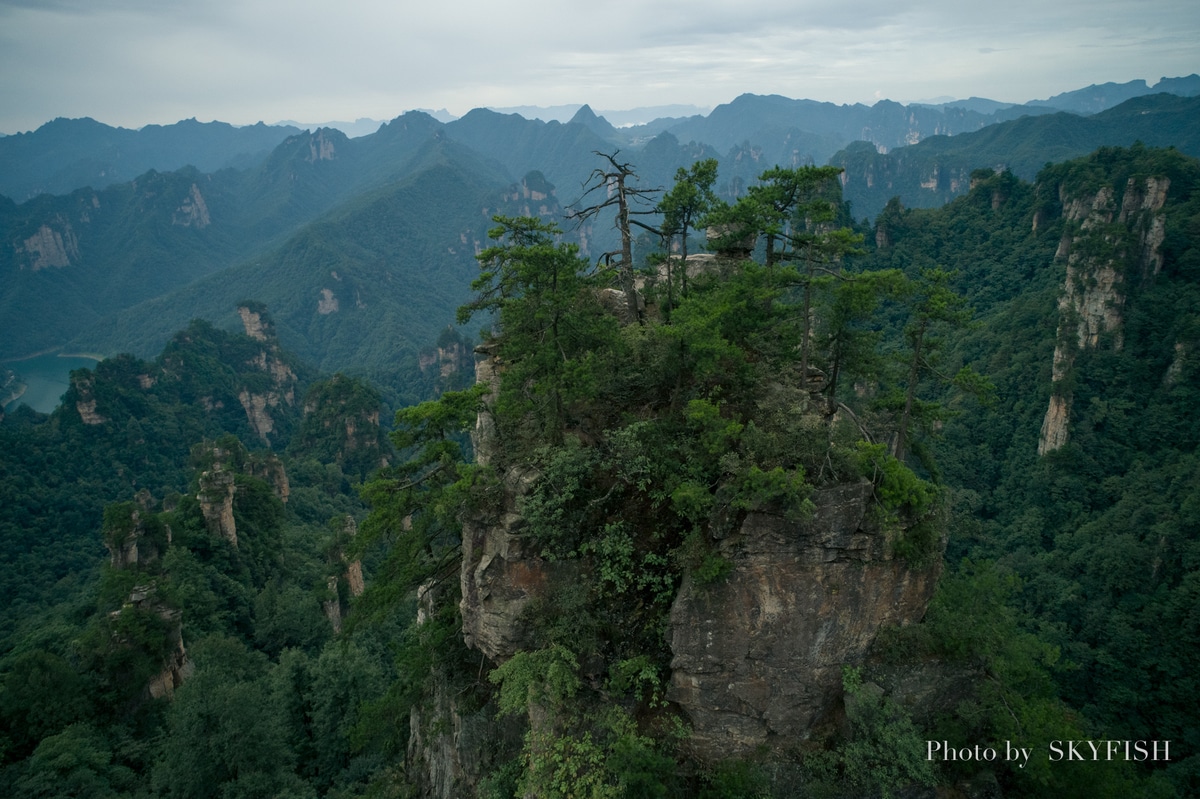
616,180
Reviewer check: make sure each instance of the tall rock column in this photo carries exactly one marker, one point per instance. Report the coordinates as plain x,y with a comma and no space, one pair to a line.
351,574
1095,246
135,541
217,487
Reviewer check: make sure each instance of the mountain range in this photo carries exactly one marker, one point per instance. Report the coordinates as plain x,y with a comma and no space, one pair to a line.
362,247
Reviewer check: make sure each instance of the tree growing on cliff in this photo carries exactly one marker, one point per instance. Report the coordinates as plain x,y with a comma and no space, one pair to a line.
416,503
551,325
688,201
935,309
617,181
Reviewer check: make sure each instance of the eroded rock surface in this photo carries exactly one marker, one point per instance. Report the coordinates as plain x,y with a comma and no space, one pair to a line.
217,487
85,404
502,573
758,657
1098,264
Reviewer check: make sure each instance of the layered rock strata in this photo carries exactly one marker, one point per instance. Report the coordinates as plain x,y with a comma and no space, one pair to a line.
758,657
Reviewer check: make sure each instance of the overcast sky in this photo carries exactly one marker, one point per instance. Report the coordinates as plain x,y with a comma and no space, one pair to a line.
134,62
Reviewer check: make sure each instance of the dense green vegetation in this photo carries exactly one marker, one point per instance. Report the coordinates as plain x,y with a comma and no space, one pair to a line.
917,356
1099,532
646,442
79,258
365,289
269,696
120,267
1068,616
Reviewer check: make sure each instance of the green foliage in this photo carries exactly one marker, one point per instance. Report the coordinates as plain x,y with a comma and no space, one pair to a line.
41,695
565,502
544,677
1025,145
973,620
222,706
737,778
552,328
635,450
416,504
341,426
1096,530
682,208
885,755
155,412
77,715
288,617
574,748
77,762
897,488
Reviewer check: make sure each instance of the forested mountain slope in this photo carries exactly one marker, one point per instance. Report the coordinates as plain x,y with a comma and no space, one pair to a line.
692,546
68,154
934,171
182,582
78,259
1079,479
367,286
591,534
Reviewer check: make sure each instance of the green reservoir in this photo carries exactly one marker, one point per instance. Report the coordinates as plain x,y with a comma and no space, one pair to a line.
46,378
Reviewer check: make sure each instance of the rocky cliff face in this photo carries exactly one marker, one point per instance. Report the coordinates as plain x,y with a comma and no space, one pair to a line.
758,657
448,360
193,211
269,468
217,488
351,575
321,146
341,418
134,541
130,545
55,246
451,746
259,404
256,323
1103,245
500,574
85,404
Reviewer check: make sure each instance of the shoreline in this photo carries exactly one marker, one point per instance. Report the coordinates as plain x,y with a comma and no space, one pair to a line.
92,356
5,402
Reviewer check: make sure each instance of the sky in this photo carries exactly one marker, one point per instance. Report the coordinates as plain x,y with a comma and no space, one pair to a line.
136,62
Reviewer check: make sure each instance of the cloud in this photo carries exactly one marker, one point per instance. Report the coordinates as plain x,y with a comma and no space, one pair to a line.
136,61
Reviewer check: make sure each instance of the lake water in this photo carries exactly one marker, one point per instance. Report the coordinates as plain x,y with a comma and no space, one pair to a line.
47,378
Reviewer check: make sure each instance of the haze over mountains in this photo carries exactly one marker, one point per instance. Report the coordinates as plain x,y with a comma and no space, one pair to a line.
362,247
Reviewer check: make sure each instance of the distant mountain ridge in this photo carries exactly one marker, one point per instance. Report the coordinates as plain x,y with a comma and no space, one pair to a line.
67,154
119,268
1101,97
364,287
78,258
937,169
